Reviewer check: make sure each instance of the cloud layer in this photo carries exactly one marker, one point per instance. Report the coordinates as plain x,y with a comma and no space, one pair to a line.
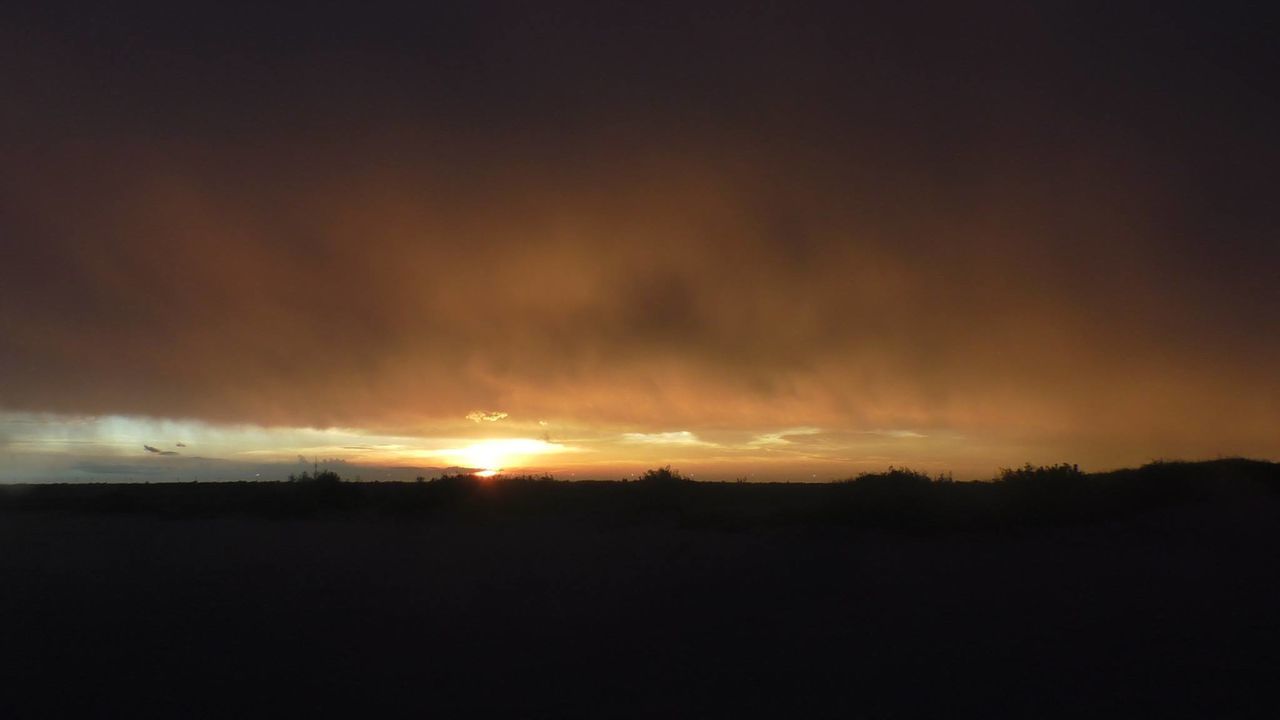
805,227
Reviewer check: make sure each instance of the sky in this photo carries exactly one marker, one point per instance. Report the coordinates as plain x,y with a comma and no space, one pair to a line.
752,240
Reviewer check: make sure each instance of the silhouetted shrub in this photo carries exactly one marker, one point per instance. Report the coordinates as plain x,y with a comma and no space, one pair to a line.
894,479
1057,474
327,477
456,478
664,476
897,497
512,480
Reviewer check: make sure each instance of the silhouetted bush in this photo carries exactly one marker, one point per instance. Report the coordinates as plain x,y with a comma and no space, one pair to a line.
893,479
894,497
1062,473
664,476
518,480
322,477
467,479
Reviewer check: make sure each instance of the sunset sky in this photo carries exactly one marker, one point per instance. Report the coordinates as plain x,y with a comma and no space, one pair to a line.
766,240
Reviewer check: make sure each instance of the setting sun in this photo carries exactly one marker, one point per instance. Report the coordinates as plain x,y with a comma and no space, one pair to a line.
493,455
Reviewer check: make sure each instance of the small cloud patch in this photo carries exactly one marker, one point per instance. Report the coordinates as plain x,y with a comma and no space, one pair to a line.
782,437
478,416
679,437
900,433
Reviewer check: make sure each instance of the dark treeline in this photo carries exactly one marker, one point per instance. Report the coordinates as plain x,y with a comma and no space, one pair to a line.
898,498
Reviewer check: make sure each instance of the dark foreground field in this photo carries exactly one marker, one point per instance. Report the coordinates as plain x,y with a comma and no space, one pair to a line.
1148,594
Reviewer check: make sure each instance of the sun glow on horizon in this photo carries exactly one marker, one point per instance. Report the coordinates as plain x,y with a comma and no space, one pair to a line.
491,456
107,448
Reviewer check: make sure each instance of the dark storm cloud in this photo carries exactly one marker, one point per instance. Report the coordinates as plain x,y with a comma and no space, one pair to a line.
1046,224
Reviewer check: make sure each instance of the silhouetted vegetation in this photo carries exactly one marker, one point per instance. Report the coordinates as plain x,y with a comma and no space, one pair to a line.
664,475
530,594
1061,474
322,477
893,479
898,498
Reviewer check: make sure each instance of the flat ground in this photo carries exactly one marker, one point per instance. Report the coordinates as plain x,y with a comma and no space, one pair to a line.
1166,613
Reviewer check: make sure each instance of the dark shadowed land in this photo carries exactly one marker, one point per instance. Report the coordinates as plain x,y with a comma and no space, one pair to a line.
1148,592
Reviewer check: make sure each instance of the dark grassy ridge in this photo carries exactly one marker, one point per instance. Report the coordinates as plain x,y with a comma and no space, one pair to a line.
1142,593
897,499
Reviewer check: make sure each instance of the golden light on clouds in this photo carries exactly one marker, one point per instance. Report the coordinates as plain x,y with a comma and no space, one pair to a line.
44,446
764,249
